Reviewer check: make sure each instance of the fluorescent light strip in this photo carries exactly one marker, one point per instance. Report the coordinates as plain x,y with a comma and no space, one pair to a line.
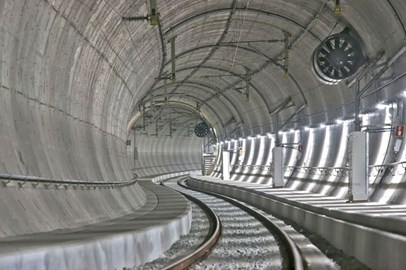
233,157
340,158
261,151
244,149
295,153
307,155
323,157
383,148
251,157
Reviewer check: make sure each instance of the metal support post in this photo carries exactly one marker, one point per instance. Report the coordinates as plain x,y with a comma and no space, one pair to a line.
359,169
278,174
173,59
357,124
226,165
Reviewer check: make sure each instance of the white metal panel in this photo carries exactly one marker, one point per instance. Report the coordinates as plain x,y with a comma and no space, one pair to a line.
226,165
358,154
278,167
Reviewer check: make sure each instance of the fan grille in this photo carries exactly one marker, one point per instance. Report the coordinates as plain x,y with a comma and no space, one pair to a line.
202,130
337,58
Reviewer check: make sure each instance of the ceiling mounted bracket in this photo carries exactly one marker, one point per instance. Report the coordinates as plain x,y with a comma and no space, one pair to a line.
286,50
152,16
173,60
337,9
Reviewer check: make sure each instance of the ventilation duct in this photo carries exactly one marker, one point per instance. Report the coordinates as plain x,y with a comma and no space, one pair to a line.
202,130
337,57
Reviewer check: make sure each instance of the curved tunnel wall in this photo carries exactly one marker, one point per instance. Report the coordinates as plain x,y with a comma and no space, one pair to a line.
63,112
157,156
322,165
71,77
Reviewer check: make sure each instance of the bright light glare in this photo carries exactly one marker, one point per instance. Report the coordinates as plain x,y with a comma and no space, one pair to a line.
322,125
307,128
339,121
381,106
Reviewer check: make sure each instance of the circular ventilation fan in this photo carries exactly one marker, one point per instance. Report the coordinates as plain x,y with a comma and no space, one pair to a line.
202,130
337,57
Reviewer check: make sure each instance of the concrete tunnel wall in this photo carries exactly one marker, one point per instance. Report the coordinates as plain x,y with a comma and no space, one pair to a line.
66,96
327,147
63,113
157,156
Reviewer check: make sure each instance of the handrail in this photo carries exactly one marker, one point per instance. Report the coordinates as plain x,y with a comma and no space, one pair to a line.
321,168
390,164
6,178
324,168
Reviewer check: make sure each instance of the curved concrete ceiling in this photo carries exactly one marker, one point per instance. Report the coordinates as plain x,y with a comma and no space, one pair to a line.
85,73
75,76
215,34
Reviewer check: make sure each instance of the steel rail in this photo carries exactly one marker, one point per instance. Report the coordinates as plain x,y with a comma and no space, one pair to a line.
209,242
295,260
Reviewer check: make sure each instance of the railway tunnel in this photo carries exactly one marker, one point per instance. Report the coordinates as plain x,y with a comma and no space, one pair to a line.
303,99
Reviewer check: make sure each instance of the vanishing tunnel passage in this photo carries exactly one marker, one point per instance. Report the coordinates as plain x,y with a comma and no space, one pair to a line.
294,107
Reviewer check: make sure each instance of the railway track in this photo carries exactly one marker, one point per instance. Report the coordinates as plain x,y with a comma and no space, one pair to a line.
249,239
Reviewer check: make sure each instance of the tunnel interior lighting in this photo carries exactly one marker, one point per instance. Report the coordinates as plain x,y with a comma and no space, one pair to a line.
339,121
381,106
307,128
322,126
261,151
